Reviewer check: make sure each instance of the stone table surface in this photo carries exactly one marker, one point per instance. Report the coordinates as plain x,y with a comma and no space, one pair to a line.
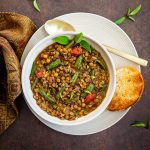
28,133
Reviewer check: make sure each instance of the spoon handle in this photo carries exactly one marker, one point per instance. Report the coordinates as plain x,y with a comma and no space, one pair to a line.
130,57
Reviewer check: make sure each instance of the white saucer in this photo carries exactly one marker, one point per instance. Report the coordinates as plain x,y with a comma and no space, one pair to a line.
107,33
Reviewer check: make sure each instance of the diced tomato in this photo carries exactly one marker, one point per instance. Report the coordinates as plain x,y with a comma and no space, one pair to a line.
76,51
89,98
39,74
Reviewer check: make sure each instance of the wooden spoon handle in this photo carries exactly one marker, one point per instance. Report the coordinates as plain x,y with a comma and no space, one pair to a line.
135,59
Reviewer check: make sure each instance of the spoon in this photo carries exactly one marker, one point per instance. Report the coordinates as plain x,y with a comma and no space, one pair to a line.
58,26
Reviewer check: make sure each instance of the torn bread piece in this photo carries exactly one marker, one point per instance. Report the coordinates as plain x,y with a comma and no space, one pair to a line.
129,88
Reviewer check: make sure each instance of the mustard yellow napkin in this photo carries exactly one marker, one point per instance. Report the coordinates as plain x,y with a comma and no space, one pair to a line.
15,31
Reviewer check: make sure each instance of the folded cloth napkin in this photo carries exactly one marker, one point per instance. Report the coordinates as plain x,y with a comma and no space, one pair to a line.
15,31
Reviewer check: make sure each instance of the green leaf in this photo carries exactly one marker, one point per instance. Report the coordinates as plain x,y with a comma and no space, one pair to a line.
64,40
36,6
78,38
131,18
149,123
135,11
85,45
138,124
120,20
128,13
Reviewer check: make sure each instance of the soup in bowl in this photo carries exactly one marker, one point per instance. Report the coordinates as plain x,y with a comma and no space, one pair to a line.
68,79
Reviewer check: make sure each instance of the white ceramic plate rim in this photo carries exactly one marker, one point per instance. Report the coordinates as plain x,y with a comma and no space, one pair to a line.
118,29
27,88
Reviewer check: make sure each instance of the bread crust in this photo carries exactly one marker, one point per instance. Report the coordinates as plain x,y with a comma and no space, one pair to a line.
129,88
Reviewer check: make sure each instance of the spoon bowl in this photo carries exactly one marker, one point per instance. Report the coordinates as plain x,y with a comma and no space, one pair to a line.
57,26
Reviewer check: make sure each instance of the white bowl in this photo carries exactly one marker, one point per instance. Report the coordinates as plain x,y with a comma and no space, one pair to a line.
28,92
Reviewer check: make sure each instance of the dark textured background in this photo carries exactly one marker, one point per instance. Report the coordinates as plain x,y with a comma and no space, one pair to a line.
28,133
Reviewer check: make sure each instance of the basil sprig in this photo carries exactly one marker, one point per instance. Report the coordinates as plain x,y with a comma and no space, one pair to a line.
83,43
130,15
78,39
